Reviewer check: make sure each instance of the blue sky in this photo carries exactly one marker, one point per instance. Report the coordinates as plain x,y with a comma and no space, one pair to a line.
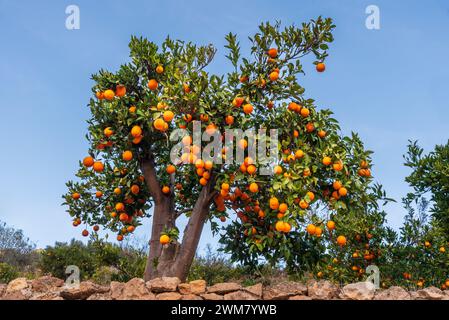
389,85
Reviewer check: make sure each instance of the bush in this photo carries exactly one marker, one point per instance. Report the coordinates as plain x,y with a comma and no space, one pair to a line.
7,273
98,260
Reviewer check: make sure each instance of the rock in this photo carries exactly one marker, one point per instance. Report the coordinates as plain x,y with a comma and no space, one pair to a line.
193,287
46,283
240,295
211,296
17,285
47,296
322,290
164,284
100,296
24,294
430,293
300,297
393,293
197,286
283,291
184,288
222,288
116,290
169,296
190,297
135,289
358,291
18,289
83,291
255,290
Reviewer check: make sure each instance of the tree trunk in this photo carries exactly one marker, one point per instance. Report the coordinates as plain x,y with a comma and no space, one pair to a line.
174,259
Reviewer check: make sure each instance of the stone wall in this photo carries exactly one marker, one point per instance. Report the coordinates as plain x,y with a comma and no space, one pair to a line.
50,288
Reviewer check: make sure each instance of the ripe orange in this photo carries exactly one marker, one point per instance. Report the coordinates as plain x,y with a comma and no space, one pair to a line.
225,186
243,144
318,232
237,102
342,192
137,140
287,227
119,206
98,194
136,131
283,208
310,127
164,239
305,112
170,169
76,196
330,225
274,203
306,172
229,120
273,52
208,165
303,204
203,181
165,189
99,95
127,155
251,169
341,240
132,109
186,88
248,108
85,233
98,166
336,185
117,191
299,154
338,166
135,189
311,229
159,69
109,94
277,169
311,195
131,228
120,90
168,116
159,124
119,237
442,249
274,76
152,84
327,161
244,78
88,161
364,164
253,187
108,132
279,226
320,67
321,133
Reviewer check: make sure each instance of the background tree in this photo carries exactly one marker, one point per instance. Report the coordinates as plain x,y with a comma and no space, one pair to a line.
430,176
128,169
15,248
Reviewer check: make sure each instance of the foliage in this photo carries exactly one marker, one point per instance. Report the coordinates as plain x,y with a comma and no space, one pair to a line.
430,176
7,272
15,248
97,259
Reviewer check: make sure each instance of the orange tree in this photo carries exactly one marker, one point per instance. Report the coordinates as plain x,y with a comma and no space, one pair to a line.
129,168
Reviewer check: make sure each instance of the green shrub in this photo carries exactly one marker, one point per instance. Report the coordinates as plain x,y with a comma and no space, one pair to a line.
7,273
97,260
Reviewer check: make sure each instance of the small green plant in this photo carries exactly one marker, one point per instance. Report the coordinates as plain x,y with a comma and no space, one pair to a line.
7,273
